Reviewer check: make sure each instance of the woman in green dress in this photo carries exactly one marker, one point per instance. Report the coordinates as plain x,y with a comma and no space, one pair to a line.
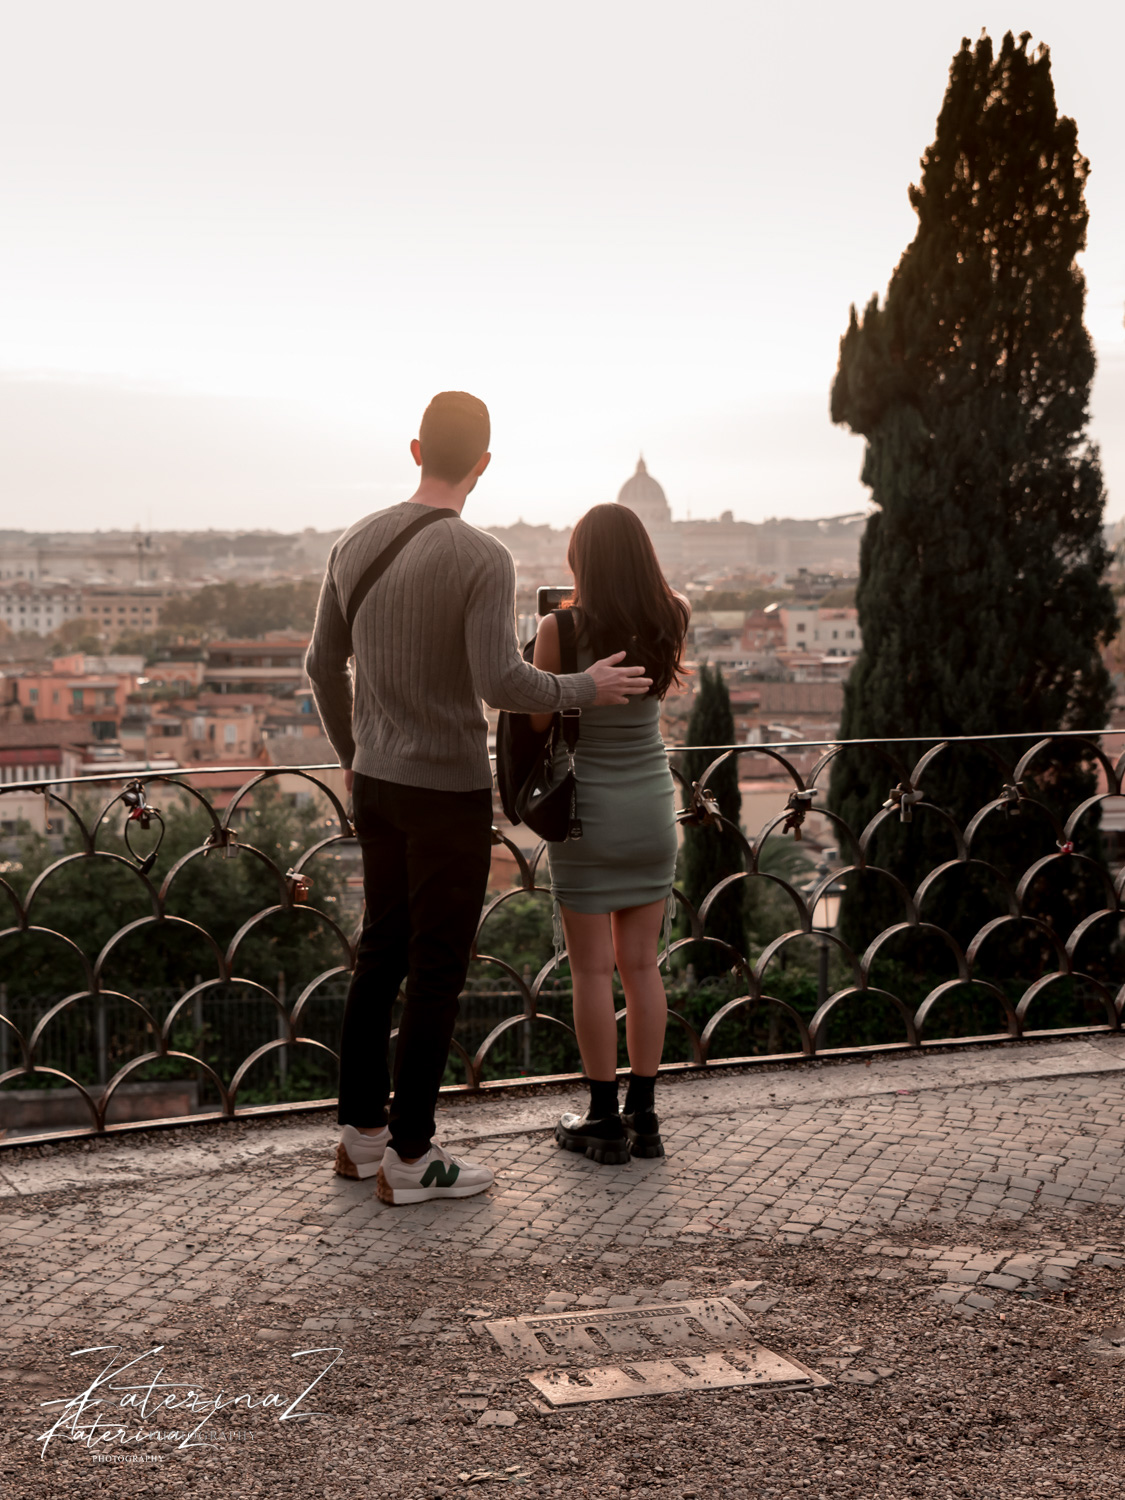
612,888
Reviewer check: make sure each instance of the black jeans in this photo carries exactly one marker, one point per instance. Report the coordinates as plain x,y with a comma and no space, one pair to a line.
426,857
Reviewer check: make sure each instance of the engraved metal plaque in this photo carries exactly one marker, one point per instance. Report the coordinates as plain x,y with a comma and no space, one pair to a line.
682,1346
660,1377
697,1325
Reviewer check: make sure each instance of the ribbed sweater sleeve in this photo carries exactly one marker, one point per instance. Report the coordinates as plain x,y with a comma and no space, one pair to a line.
434,636
327,666
500,674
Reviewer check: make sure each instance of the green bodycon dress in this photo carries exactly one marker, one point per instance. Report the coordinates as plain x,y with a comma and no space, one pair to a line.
627,853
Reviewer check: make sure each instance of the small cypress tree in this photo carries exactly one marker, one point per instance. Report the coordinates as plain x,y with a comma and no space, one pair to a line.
982,596
711,853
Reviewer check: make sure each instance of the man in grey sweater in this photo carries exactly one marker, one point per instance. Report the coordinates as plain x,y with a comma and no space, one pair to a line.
431,637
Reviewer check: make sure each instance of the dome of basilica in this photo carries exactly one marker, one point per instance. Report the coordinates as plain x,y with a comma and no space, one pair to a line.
645,497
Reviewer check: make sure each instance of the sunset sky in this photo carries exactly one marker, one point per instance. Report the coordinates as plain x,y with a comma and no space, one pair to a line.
243,244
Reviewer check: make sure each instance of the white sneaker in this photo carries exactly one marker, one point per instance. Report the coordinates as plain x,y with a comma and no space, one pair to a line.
435,1175
359,1155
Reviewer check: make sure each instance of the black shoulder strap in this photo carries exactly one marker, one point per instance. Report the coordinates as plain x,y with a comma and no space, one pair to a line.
568,641
373,571
568,661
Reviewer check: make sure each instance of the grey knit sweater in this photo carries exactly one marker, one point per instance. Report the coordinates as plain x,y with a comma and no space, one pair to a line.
434,636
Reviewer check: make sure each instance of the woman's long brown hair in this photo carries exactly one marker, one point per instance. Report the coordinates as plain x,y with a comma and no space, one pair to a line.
623,597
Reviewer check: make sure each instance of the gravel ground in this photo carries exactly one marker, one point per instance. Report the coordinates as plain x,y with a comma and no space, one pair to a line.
929,1397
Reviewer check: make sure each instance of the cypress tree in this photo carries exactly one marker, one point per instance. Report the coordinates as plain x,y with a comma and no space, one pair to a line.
982,597
712,852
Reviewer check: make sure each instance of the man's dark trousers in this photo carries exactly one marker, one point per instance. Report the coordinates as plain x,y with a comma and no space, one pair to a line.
426,858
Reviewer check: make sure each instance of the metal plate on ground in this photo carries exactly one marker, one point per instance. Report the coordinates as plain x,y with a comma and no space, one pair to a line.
689,1344
659,1377
697,1325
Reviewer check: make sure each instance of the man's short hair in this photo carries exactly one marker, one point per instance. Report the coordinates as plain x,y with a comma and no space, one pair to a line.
454,435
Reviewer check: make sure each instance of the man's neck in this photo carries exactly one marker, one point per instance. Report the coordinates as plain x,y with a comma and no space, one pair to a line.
439,495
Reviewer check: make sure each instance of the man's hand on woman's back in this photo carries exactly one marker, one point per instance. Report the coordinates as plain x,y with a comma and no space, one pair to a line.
617,684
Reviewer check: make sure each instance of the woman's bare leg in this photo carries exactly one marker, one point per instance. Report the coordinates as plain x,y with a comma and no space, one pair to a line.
636,940
589,946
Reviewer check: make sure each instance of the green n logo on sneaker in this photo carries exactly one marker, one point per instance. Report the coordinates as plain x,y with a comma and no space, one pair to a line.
444,1176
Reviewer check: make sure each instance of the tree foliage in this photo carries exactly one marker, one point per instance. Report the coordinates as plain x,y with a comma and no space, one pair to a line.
736,599
710,853
88,900
982,598
91,902
838,598
244,611
81,634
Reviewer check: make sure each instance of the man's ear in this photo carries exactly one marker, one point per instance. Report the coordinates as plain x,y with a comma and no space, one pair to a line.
416,451
482,464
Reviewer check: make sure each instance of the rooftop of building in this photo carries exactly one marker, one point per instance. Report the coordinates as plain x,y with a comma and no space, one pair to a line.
283,639
791,697
253,674
22,736
299,750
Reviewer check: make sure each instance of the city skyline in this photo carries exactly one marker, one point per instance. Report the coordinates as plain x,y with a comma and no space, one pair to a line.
233,275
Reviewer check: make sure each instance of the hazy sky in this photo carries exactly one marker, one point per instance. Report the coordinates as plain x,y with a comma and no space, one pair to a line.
243,243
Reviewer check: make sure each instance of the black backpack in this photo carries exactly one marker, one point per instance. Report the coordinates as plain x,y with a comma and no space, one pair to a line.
525,757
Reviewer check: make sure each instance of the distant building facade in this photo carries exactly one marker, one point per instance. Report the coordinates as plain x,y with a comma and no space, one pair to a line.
113,610
127,610
694,549
688,548
828,630
275,665
38,607
87,691
81,558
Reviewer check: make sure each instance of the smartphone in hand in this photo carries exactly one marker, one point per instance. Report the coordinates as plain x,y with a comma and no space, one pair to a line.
548,598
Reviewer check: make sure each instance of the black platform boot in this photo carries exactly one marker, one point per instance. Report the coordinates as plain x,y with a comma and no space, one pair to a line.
599,1133
642,1125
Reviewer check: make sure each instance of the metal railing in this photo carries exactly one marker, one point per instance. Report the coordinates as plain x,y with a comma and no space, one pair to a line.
248,1009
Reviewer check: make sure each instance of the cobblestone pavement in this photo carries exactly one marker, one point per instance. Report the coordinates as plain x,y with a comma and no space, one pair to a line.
928,1186
934,1156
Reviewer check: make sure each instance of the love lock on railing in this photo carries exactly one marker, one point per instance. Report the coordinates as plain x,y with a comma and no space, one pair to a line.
799,805
904,796
223,840
1013,794
704,809
141,814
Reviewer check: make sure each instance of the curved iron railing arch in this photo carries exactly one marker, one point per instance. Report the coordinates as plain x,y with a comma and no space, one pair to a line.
905,800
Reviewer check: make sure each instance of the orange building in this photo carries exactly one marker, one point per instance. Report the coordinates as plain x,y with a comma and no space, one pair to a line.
91,691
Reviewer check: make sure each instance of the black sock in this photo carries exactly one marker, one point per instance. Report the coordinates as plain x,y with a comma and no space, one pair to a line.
603,1098
640,1095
